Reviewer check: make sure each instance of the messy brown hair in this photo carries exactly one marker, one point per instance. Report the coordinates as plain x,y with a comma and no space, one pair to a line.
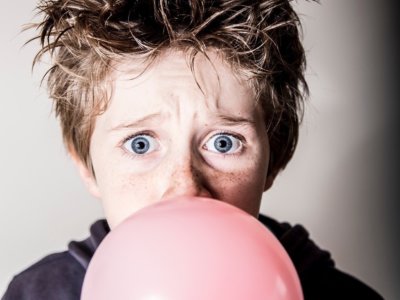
259,38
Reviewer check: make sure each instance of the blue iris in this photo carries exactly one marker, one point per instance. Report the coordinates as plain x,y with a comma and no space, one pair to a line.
223,144
140,145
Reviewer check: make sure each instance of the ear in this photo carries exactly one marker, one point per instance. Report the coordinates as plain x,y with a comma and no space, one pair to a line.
271,173
270,179
86,175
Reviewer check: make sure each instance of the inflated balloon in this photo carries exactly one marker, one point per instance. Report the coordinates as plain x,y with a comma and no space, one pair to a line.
191,249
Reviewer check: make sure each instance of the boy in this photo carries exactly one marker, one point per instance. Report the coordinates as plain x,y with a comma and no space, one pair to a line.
166,98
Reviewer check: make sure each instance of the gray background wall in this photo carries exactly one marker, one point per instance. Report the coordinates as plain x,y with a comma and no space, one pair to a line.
341,183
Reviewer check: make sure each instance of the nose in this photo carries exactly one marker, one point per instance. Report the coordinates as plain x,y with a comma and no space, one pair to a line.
184,179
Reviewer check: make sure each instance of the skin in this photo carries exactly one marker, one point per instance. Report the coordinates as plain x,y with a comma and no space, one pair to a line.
171,132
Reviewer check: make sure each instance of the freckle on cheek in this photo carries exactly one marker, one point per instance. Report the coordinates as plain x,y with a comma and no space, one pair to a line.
128,183
230,181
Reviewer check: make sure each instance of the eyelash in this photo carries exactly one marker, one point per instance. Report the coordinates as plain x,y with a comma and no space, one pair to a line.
235,135
137,134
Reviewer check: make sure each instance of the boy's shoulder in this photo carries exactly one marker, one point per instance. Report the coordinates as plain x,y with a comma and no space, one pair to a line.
59,275
319,277
56,276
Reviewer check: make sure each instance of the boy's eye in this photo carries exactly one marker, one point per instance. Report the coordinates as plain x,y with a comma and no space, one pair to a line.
141,144
223,143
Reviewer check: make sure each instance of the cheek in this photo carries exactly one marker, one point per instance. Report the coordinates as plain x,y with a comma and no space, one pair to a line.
242,189
123,195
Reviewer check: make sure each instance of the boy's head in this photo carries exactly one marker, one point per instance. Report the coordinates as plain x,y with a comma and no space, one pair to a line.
163,98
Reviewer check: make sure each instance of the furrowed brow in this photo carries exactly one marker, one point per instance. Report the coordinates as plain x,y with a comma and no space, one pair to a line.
235,120
139,122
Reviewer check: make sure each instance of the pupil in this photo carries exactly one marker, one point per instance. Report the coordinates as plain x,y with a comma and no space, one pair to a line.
223,144
140,145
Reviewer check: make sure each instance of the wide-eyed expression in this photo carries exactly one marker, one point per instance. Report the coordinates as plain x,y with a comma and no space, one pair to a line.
174,132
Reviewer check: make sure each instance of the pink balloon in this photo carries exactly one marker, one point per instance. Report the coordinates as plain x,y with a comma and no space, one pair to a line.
191,249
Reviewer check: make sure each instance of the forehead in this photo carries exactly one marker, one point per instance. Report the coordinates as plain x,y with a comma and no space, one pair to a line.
207,80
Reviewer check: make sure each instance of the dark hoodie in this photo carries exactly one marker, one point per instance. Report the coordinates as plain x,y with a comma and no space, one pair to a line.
60,275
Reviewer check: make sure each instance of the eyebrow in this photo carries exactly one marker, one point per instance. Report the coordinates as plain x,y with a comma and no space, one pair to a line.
235,120
139,122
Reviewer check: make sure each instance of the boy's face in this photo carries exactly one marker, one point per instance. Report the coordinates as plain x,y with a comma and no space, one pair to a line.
165,135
